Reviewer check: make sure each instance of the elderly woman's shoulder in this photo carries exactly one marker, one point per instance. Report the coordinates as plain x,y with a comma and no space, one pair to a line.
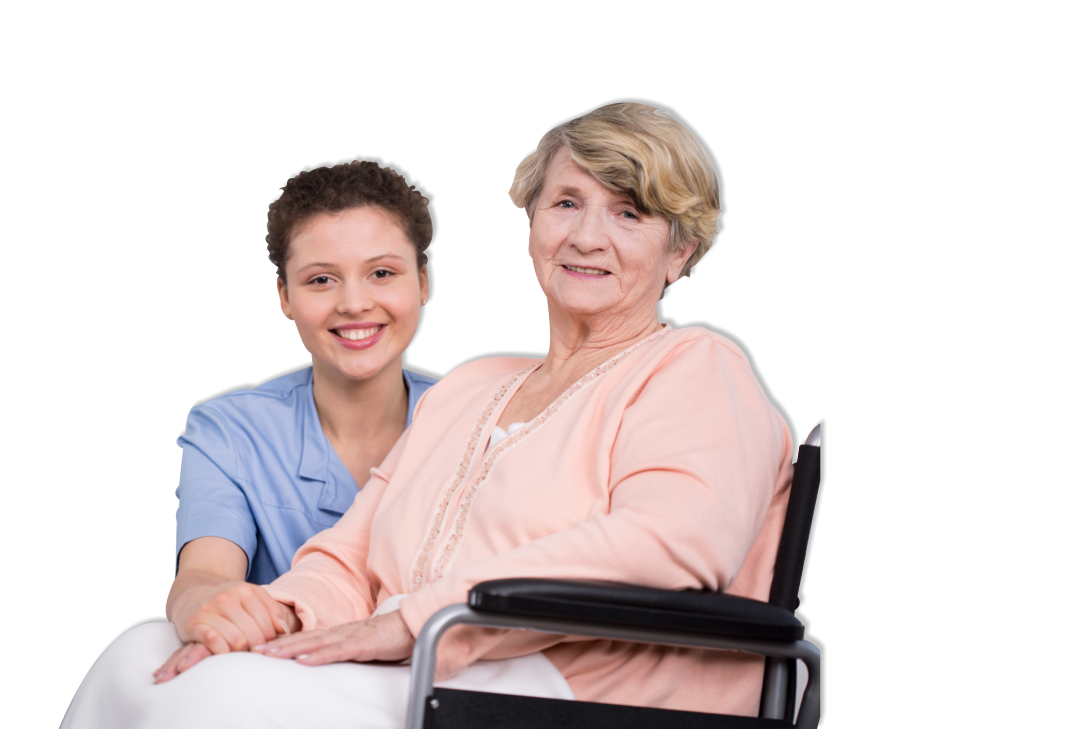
699,340
474,379
488,367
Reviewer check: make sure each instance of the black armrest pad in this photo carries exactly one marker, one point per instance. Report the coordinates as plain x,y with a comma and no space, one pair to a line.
631,605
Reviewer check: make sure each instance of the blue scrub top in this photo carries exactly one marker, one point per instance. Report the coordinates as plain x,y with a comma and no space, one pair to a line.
256,469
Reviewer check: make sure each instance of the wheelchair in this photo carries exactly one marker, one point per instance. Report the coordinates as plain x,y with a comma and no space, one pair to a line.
700,619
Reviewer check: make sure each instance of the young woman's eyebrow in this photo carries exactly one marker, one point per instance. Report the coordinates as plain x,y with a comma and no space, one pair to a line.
331,265
325,265
383,257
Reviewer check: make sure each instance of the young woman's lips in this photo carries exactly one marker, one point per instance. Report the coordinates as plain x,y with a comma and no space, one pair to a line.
364,343
585,273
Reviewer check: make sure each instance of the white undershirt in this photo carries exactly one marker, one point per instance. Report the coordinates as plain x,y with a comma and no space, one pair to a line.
499,434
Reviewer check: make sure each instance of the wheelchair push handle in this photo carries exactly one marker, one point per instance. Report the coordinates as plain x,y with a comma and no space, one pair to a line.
814,438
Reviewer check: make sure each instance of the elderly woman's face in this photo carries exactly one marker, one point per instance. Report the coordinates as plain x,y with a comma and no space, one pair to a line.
354,290
594,253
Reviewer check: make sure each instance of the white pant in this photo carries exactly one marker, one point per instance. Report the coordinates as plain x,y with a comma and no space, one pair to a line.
253,691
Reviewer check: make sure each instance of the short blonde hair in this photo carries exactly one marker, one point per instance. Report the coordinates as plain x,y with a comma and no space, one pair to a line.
641,151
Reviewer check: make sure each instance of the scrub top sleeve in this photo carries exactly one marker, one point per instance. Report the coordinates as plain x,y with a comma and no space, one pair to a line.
211,501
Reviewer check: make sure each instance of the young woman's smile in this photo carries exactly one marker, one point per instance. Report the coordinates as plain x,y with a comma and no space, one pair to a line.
358,335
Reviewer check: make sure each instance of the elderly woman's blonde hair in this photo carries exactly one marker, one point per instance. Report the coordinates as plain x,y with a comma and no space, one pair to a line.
639,150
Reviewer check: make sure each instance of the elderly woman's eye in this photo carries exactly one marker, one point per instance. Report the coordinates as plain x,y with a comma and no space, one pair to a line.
630,214
566,204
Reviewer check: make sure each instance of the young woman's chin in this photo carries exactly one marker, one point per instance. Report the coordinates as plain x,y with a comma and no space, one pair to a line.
354,370
358,365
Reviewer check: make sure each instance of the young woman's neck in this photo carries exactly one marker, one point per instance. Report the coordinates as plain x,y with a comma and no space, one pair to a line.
354,409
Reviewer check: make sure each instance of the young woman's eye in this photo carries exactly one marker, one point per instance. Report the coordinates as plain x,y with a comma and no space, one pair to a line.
380,274
320,280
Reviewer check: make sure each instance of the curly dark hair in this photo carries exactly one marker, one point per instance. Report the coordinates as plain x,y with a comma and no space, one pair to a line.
333,189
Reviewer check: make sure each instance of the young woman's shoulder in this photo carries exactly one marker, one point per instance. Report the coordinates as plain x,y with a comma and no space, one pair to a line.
269,400
419,382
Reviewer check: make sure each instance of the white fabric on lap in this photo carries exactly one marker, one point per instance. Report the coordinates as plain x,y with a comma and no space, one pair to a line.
253,691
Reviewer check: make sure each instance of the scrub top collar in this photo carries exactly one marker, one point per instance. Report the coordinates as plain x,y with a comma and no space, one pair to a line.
320,462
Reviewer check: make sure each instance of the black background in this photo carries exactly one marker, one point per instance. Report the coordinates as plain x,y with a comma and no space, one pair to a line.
191,309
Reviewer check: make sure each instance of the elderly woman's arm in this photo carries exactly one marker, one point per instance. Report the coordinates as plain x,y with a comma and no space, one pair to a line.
698,459
331,567
332,586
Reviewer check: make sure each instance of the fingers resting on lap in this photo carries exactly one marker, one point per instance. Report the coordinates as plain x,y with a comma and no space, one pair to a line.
180,661
381,638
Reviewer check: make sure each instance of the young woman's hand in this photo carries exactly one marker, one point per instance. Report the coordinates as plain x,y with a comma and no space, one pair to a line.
380,638
180,661
230,617
217,619
210,603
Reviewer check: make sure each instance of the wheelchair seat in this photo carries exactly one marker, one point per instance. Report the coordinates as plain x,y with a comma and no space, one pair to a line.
691,618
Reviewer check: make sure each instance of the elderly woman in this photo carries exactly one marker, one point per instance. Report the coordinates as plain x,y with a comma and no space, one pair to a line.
632,452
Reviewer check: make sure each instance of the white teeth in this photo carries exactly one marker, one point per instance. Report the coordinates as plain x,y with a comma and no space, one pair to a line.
586,270
359,333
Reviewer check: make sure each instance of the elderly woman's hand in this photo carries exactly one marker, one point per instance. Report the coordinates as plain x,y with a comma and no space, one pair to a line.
384,638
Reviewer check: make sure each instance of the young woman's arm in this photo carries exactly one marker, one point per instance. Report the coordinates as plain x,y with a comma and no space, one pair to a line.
202,611
214,610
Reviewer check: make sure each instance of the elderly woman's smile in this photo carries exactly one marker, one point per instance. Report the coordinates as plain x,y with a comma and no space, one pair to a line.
586,270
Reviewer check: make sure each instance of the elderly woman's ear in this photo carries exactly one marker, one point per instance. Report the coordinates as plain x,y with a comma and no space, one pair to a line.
678,260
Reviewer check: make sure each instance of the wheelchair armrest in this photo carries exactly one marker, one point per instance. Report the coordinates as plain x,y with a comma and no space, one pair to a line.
630,605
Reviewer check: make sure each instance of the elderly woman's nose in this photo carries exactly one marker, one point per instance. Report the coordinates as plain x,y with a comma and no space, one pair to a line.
589,230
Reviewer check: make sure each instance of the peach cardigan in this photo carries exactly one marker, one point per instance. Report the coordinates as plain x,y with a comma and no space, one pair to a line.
665,466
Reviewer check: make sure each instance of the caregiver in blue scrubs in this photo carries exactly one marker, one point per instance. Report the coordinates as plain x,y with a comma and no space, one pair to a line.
265,469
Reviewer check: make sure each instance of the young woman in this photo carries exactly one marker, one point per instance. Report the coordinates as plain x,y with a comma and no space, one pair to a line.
265,469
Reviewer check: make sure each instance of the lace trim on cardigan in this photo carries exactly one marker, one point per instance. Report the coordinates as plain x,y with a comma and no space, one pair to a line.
418,568
458,532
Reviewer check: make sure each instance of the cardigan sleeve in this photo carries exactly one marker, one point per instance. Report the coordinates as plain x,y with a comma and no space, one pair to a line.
698,457
329,583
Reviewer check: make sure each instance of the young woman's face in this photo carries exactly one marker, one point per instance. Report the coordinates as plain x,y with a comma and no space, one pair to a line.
354,290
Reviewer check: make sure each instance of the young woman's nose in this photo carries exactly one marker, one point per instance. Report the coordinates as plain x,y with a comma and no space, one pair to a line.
354,297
